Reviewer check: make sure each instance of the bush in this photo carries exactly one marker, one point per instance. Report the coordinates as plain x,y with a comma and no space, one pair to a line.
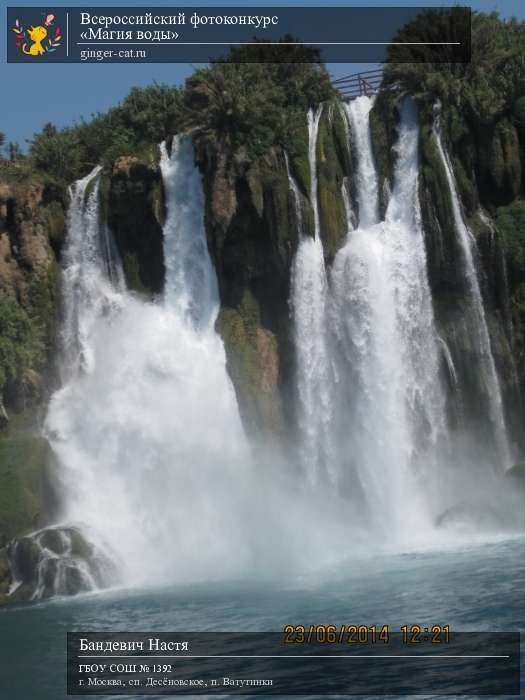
252,105
20,346
146,115
256,105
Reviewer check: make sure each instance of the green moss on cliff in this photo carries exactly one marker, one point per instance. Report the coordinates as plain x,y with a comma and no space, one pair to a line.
297,149
25,485
510,222
132,274
133,206
505,160
20,343
253,364
54,219
383,127
437,215
332,166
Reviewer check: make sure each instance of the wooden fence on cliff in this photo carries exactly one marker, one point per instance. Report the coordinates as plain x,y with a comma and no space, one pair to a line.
358,84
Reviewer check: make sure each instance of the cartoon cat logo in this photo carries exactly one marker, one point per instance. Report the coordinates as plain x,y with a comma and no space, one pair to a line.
32,42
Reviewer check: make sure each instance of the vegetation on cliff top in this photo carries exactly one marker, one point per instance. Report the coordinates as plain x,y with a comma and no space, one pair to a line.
483,106
491,85
256,105
250,105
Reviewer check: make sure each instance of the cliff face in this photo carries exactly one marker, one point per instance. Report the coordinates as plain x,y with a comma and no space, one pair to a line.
134,210
31,230
253,236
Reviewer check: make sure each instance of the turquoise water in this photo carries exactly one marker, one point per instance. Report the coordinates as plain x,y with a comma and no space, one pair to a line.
476,587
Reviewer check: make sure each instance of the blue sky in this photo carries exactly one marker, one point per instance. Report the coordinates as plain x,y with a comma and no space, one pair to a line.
32,95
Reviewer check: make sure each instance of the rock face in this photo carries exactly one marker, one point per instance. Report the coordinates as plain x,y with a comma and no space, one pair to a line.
27,495
32,226
49,562
134,209
334,168
253,234
252,245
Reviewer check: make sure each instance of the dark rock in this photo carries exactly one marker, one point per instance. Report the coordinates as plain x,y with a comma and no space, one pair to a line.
27,489
133,204
24,555
333,165
477,515
74,582
54,561
80,547
53,540
5,573
516,475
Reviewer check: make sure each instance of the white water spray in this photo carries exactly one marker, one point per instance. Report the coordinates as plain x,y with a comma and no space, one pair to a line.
391,401
92,276
147,430
313,129
308,299
191,284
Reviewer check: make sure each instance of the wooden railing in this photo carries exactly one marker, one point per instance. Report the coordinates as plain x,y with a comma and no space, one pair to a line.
357,84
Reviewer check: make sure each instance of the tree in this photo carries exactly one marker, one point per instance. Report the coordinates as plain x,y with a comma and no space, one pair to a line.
58,153
14,151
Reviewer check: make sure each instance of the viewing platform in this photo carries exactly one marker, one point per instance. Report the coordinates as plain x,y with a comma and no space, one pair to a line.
358,84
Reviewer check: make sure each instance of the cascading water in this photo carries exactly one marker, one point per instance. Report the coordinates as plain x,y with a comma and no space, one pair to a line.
191,285
313,129
391,404
92,274
308,299
358,115
58,561
146,427
476,318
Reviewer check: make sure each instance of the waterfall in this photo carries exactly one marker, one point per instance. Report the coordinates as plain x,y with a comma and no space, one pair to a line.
191,284
477,321
297,198
371,407
308,300
146,427
313,129
392,406
449,361
92,274
358,114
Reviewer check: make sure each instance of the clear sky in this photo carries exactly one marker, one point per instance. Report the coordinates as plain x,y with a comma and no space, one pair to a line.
31,95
